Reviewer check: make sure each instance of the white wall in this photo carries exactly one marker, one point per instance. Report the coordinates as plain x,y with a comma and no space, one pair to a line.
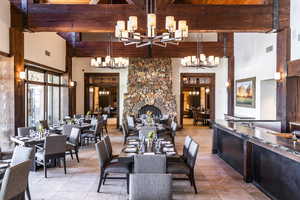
4,25
36,44
268,99
295,29
251,60
81,65
220,91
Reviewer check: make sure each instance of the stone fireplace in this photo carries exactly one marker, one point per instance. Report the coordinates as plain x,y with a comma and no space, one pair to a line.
149,83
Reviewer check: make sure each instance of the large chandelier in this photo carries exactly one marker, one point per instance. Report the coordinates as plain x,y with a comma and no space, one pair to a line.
131,36
110,62
200,60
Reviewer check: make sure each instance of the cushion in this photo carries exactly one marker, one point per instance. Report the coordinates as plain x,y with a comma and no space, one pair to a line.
178,168
117,167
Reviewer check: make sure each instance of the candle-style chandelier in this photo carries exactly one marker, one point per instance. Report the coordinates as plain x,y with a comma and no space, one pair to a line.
108,61
200,60
131,36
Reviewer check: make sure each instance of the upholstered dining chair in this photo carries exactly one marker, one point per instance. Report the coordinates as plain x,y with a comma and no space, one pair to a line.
95,134
107,167
54,148
154,164
105,118
21,154
72,144
109,148
15,181
126,133
25,131
150,187
186,167
67,128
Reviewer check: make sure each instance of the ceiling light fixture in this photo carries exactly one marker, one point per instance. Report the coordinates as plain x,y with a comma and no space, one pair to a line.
109,61
131,36
200,60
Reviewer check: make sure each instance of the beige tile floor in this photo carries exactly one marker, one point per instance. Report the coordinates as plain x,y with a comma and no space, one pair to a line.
215,179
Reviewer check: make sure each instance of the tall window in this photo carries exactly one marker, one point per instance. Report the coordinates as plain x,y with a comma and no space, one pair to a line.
46,96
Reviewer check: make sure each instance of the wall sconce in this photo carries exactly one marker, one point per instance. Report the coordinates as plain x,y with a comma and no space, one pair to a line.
277,76
91,89
207,90
73,83
22,75
227,84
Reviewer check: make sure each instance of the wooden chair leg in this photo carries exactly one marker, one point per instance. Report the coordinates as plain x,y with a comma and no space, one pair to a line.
104,179
194,183
65,168
28,192
77,157
127,177
100,182
71,153
45,169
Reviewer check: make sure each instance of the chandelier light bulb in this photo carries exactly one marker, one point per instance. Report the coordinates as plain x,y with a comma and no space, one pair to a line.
170,23
151,20
182,25
132,23
121,25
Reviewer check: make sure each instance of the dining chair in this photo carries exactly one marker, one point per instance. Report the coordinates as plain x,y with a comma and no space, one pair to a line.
150,187
153,164
67,129
109,148
72,144
15,181
88,135
25,131
22,154
186,167
54,148
107,167
126,133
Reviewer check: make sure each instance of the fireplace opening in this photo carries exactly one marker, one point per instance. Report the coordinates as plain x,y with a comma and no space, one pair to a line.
153,109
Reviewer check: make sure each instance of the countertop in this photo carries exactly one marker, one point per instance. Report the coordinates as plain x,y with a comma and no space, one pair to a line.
263,137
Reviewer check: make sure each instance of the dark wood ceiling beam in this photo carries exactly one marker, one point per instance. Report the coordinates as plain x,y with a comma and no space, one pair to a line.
102,18
99,49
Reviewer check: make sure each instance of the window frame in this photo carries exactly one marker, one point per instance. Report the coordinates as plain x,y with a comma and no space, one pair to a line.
46,84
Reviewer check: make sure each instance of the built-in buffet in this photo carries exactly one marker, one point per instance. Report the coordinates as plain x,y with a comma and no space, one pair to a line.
268,159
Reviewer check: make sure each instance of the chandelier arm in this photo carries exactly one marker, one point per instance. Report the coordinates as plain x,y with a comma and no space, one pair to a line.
143,44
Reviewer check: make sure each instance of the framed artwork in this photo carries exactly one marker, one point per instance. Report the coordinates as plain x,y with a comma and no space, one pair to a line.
245,92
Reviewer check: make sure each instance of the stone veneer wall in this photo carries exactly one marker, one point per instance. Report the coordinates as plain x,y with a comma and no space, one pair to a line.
7,103
149,83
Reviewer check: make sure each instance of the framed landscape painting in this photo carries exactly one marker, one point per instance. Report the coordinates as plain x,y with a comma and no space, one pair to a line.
245,92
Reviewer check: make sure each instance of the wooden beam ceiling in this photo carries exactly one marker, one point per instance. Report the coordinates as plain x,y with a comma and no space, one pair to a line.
102,18
99,49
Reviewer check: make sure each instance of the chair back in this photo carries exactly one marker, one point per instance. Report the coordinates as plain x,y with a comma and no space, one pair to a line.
99,128
153,164
78,116
55,145
102,154
186,146
192,154
21,154
108,145
150,186
44,124
130,121
74,136
67,129
15,180
25,131
124,129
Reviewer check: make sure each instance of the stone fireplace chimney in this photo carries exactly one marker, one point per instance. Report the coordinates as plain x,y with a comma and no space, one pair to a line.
149,83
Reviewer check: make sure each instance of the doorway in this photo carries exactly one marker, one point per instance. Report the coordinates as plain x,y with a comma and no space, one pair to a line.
197,99
102,95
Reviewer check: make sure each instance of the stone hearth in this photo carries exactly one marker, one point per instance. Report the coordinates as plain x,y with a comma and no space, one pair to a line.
149,83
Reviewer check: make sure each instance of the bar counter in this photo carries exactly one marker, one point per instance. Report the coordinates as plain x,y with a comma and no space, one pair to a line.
269,161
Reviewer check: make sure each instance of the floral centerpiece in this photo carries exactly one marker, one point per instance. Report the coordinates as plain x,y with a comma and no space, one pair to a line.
149,119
